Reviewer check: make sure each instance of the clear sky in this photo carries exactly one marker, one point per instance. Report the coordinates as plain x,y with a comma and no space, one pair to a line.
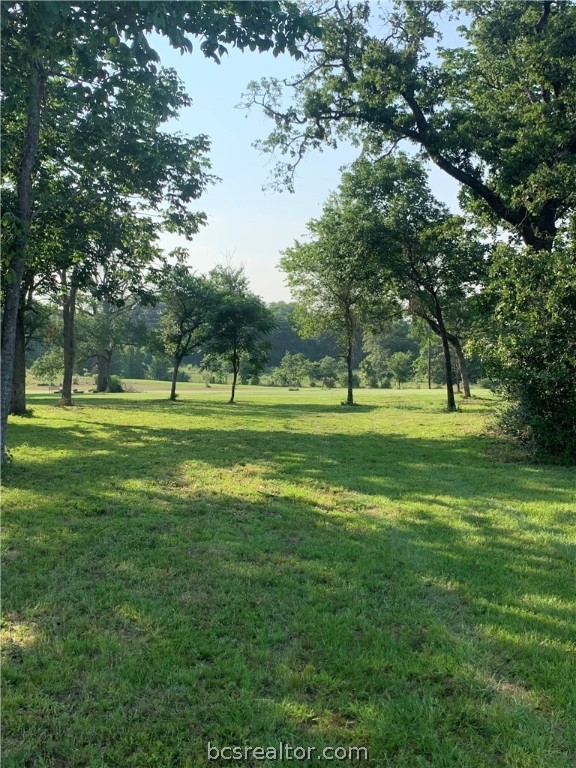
247,225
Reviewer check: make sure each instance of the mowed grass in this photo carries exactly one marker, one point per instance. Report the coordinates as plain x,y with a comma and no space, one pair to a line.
284,570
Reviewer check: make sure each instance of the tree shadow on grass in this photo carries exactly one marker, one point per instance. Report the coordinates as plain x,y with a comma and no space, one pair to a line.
152,631
372,590
455,472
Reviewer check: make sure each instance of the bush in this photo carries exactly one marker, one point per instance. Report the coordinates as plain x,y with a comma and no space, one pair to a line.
542,430
486,384
529,347
116,384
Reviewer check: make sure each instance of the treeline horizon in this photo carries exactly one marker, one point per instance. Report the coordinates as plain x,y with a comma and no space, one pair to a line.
287,356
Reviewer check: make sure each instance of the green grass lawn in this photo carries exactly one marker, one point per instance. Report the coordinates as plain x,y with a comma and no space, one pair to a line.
284,570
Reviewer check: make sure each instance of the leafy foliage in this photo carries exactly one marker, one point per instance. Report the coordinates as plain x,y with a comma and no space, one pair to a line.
292,370
529,346
238,321
82,92
186,302
496,114
47,369
284,337
400,366
335,279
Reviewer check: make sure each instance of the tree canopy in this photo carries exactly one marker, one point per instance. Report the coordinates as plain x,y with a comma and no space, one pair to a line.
497,113
186,302
336,279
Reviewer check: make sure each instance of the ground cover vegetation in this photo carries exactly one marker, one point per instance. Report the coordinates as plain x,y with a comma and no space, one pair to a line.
179,571
285,570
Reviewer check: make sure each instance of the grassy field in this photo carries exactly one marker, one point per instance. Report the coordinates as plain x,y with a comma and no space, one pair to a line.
284,570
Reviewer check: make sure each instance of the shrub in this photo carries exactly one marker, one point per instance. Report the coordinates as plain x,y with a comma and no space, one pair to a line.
116,384
528,345
486,383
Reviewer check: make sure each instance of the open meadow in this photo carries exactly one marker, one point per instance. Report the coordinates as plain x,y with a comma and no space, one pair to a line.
386,577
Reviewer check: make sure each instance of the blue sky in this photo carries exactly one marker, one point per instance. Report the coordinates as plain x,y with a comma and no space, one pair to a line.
247,225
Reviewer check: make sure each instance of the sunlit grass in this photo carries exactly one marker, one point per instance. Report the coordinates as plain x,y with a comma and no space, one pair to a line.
284,570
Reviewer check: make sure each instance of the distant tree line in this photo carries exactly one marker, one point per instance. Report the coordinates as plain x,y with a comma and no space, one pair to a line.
215,325
180,313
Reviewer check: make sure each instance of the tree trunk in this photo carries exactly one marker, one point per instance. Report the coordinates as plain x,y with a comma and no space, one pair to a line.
463,366
350,374
429,361
69,315
177,362
438,327
108,368
450,400
18,401
103,380
235,369
16,268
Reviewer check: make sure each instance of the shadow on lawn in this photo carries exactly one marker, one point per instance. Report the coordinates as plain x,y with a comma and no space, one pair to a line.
180,616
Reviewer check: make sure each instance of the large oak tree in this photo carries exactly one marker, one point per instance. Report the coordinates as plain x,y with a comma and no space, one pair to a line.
496,113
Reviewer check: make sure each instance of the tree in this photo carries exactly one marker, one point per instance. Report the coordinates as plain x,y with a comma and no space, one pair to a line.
285,339
238,323
393,336
99,49
292,370
374,367
33,319
105,328
528,345
429,366
400,366
96,181
496,113
334,279
328,370
436,261
186,300
49,367
158,368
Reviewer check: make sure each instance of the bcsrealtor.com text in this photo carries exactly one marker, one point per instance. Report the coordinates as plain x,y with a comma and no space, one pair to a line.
283,751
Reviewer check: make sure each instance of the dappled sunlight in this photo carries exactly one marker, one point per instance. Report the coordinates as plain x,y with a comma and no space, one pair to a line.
17,635
329,582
